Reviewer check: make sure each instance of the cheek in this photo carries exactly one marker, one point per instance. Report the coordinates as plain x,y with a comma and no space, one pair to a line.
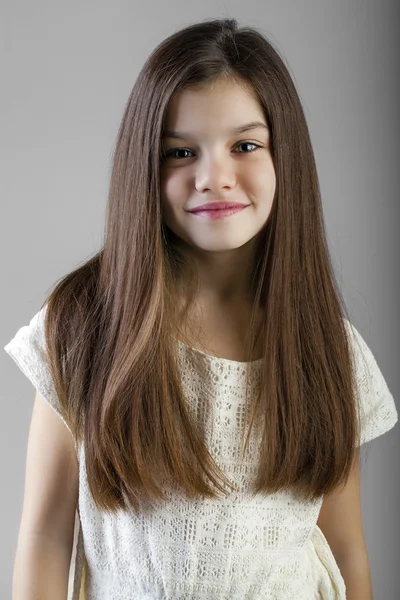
263,180
175,190
172,191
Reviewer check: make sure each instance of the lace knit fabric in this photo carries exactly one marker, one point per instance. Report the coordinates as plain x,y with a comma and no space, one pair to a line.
243,547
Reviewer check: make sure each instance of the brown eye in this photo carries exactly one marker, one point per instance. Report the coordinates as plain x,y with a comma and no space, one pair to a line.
172,153
256,147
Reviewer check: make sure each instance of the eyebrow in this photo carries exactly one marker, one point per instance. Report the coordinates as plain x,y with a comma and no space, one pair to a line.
234,131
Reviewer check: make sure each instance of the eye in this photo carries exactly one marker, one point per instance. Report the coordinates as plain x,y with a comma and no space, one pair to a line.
172,153
256,147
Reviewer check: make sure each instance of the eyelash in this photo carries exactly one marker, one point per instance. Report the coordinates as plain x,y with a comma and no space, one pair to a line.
170,152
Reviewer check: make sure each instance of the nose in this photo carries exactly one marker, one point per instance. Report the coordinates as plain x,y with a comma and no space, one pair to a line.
214,175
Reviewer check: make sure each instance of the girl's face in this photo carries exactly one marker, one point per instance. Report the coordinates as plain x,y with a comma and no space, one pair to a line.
207,161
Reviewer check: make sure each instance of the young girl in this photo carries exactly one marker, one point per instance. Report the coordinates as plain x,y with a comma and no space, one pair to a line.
208,394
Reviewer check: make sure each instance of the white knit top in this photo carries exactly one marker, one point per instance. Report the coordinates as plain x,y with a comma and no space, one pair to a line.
241,547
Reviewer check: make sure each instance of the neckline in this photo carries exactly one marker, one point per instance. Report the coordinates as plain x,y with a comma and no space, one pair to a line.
224,360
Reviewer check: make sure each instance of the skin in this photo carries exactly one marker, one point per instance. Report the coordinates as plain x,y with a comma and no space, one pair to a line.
218,165
215,167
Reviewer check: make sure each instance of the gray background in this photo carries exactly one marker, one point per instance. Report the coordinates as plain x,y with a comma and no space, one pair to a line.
67,71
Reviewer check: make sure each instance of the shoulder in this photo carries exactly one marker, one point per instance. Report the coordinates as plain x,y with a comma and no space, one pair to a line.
377,409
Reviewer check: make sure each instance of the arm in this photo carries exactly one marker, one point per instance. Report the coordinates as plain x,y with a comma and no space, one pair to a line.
44,549
41,569
356,574
340,520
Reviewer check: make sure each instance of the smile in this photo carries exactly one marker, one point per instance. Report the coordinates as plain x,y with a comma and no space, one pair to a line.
213,215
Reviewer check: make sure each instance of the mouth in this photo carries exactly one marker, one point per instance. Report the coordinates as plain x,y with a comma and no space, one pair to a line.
214,214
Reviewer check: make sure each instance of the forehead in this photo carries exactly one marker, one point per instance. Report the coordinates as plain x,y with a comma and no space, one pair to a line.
222,104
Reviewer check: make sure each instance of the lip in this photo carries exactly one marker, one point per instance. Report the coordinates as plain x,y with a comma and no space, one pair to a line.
213,215
218,206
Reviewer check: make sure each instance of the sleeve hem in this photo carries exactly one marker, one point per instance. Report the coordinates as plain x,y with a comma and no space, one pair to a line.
382,426
30,374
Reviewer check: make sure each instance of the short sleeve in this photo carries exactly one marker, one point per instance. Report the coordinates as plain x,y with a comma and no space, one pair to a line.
28,349
377,409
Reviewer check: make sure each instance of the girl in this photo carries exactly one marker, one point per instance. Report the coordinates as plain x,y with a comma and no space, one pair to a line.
210,392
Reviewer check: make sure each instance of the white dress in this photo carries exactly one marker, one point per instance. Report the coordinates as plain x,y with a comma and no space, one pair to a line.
238,548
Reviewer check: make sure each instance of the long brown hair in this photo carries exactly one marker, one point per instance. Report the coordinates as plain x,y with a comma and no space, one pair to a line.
110,323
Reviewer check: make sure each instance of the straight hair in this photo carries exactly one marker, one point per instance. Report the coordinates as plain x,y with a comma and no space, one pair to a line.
111,323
